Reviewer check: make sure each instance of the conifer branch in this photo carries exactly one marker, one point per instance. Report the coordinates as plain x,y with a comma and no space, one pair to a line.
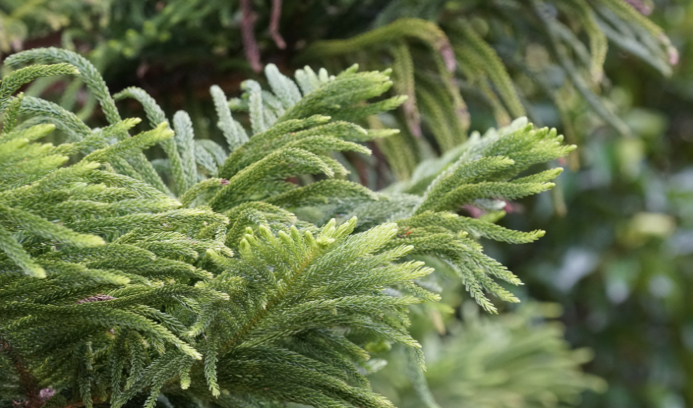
145,293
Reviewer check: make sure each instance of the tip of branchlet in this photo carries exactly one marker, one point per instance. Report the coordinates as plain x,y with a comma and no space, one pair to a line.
93,240
324,241
310,240
320,118
381,133
244,245
162,125
131,122
330,226
352,69
36,272
44,127
265,232
673,55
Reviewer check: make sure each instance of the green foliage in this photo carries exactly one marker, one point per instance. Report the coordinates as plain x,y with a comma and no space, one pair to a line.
482,175
511,58
502,57
24,20
222,296
427,223
628,228
516,360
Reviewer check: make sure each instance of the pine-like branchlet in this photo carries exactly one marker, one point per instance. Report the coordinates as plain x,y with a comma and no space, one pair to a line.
233,285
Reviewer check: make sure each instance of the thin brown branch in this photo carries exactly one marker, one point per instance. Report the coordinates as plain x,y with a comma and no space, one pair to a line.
252,52
274,24
26,380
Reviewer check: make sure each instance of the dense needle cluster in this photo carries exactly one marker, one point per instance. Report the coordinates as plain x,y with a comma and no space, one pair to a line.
211,277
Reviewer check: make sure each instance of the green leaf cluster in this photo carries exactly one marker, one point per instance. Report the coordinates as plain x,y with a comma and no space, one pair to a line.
503,57
517,359
231,285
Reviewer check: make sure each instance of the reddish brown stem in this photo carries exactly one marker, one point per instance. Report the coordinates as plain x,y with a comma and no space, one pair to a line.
641,7
26,380
252,52
274,24
448,56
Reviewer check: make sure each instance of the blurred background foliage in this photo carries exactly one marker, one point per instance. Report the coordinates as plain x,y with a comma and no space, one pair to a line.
516,359
618,256
620,261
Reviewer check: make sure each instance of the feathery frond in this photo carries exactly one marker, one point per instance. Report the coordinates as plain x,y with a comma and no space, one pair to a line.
112,290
